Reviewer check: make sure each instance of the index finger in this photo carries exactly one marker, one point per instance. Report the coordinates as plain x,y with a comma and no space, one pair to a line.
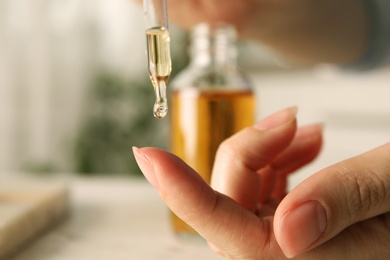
241,156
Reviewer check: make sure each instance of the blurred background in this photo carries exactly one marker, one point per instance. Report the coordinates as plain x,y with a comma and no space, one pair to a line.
74,87
75,93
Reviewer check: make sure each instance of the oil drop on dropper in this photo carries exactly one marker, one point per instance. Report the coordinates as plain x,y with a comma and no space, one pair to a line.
158,51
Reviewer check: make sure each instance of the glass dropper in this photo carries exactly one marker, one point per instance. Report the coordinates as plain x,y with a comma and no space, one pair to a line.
158,50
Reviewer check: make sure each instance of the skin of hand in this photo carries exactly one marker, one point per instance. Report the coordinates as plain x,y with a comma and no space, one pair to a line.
304,31
341,212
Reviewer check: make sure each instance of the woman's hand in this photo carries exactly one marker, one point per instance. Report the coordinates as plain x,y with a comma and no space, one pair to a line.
188,13
341,212
308,31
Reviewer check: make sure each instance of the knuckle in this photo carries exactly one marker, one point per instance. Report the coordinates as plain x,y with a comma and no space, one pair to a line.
364,190
226,149
232,152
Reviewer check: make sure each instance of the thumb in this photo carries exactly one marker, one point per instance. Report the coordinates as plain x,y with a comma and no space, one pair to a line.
332,200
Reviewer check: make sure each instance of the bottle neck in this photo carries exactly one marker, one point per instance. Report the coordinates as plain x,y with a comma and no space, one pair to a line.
214,47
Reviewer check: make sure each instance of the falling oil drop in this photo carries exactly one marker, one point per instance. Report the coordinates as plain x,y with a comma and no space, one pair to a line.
160,111
161,104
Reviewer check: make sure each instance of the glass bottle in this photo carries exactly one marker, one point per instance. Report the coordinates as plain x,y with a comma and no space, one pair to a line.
210,100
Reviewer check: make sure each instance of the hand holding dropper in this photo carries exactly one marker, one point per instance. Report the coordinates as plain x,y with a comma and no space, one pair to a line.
158,50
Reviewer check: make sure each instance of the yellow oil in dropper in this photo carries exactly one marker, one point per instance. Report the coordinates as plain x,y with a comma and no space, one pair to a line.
159,54
160,67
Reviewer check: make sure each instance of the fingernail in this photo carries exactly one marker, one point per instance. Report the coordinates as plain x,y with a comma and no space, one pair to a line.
146,167
280,118
302,227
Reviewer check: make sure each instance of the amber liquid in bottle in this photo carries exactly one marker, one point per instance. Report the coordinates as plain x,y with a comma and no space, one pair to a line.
201,120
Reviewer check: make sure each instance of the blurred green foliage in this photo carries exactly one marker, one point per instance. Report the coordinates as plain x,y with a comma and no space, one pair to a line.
118,116
117,119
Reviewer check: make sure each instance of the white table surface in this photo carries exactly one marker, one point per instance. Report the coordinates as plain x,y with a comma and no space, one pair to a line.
113,219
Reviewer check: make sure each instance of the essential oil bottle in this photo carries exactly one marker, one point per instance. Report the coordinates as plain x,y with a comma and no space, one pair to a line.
210,101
